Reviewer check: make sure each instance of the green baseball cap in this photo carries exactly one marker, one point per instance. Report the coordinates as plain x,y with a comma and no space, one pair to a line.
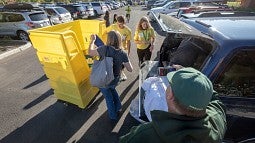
191,87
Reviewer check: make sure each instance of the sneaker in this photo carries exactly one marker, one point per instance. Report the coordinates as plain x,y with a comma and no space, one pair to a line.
123,77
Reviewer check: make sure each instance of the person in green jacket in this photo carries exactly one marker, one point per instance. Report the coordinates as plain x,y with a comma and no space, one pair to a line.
195,114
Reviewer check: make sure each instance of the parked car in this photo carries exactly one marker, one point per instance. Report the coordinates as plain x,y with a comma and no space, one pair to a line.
77,11
111,5
160,4
58,15
199,11
17,19
89,9
226,48
99,8
130,2
216,14
46,4
171,6
150,3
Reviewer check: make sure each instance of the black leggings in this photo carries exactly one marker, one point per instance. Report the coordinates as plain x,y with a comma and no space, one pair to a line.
128,16
143,55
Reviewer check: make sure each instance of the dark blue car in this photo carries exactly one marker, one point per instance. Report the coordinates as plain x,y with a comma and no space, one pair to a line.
225,52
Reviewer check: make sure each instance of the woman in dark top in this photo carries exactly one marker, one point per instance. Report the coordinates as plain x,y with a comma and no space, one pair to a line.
114,18
107,18
119,58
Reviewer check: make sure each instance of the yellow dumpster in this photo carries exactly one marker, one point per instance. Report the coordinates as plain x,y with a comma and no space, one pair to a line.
62,50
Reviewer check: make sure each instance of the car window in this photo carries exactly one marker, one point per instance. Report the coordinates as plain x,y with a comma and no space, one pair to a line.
71,9
174,6
185,4
89,6
95,4
12,17
168,4
238,78
191,52
38,16
61,10
50,11
79,8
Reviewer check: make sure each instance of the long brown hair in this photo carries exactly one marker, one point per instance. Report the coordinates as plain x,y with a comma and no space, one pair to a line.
114,39
143,19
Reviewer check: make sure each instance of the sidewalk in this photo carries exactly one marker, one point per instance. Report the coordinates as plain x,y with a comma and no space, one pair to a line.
10,47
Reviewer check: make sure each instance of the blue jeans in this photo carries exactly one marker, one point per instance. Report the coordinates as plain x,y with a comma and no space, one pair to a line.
112,99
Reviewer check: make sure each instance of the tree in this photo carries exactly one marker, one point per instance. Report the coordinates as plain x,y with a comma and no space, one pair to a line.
248,3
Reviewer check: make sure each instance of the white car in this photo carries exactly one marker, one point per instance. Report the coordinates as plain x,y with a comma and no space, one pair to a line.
89,9
172,6
58,15
99,7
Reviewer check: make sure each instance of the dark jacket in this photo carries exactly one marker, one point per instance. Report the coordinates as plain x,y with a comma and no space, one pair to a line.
171,128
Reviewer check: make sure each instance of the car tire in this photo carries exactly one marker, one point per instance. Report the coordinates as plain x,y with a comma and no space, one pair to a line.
96,14
22,35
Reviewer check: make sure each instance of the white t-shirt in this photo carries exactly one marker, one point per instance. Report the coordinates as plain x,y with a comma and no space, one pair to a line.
155,94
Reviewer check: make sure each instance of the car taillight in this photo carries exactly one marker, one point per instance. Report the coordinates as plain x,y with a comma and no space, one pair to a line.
30,24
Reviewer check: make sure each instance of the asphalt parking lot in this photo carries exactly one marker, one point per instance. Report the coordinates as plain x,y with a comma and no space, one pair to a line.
31,113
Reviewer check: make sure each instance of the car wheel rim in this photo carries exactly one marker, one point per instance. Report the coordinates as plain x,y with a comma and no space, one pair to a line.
23,36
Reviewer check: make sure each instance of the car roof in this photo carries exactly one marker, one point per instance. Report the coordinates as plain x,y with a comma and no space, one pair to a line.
234,28
23,12
216,13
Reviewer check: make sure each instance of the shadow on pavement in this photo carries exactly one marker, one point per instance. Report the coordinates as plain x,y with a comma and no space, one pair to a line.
39,99
124,93
41,79
101,130
129,121
56,124
59,122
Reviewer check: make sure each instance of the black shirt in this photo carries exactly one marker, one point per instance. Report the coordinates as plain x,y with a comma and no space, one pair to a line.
118,55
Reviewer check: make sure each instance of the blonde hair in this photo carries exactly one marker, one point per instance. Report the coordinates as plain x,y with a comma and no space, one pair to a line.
114,39
143,19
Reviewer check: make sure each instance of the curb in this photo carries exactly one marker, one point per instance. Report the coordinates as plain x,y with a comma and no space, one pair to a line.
11,52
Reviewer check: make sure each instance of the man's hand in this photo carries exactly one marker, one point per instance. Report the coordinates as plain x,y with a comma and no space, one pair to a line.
177,67
151,48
